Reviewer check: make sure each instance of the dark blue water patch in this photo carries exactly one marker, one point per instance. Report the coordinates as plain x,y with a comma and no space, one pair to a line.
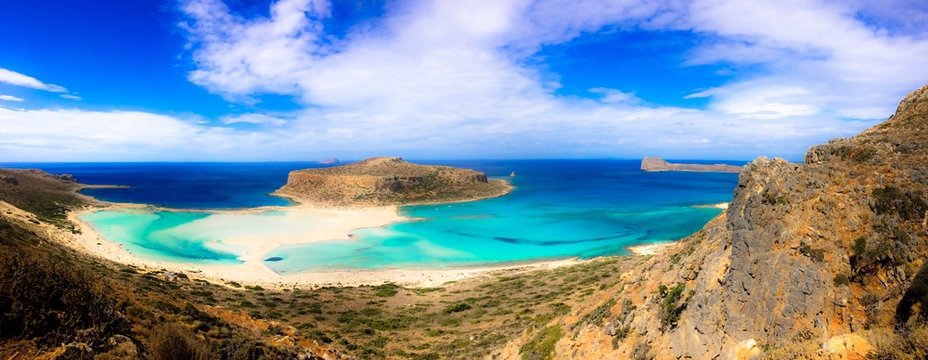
182,185
274,259
548,183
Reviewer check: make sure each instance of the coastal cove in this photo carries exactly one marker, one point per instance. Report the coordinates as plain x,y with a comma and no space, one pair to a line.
551,218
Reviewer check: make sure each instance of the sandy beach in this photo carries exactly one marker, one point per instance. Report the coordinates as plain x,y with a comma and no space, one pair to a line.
651,249
252,271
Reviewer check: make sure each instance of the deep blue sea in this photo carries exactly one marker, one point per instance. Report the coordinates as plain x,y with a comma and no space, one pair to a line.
559,209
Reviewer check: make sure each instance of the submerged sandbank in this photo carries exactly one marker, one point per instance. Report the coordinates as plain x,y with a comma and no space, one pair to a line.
254,241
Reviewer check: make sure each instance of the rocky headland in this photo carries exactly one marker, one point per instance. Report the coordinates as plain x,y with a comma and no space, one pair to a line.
658,164
823,259
389,181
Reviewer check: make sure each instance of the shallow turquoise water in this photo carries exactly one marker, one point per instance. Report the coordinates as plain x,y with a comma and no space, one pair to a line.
450,239
560,209
153,235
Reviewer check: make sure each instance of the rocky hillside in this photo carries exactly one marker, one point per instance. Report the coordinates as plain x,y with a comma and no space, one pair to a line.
824,259
389,181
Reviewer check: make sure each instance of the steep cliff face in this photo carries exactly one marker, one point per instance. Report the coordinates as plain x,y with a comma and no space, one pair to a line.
805,253
387,181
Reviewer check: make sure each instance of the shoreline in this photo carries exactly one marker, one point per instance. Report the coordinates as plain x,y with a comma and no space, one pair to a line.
652,249
253,272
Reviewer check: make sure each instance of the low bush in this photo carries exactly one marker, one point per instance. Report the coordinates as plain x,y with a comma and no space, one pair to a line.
810,252
891,199
842,280
457,308
386,290
671,304
170,342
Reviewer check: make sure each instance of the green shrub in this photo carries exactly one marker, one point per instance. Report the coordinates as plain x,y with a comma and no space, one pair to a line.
813,253
842,280
842,151
864,154
891,199
386,290
457,308
671,306
541,346
860,246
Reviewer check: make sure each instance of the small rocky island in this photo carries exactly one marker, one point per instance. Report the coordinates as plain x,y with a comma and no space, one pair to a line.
658,164
389,181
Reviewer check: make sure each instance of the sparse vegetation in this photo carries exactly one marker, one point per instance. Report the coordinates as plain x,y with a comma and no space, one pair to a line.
386,290
864,155
541,346
51,302
815,254
860,246
892,200
671,304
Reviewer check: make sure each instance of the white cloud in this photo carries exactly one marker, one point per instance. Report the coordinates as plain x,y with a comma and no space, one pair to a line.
615,96
257,119
449,79
450,74
17,79
70,97
836,63
10,98
71,135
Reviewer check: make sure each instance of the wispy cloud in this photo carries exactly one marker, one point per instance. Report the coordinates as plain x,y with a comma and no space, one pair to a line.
17,79
10,98
256,119
70,97
455,79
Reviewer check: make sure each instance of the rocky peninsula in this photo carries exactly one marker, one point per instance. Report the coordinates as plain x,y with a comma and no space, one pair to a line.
383,181
658,164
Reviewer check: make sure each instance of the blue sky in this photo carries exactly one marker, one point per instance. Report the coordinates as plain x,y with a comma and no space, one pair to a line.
307,79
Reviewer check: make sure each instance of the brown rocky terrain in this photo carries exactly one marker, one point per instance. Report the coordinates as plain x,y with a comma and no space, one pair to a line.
658,164
824,259
389,181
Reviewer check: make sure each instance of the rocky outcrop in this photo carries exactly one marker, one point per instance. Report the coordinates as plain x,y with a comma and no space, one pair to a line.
658,164
389,181
805,254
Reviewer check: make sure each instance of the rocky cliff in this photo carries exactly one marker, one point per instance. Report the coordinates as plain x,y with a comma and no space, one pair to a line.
824,259
658,164
389,181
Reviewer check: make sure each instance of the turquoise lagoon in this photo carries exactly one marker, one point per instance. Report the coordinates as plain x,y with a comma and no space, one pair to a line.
559,209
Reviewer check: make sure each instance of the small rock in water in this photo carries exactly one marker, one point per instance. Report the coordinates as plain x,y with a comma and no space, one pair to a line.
274,258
